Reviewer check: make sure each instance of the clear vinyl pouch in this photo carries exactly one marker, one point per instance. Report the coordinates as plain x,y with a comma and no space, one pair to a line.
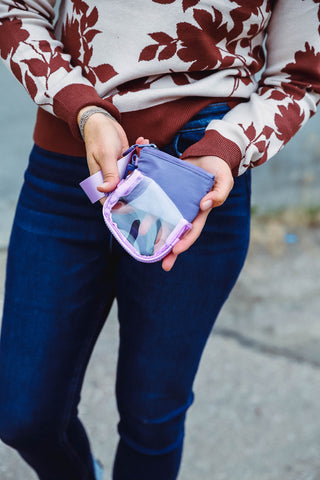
154,203
143,218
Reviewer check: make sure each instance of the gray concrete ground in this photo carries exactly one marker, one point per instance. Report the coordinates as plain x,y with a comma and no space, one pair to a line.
256,413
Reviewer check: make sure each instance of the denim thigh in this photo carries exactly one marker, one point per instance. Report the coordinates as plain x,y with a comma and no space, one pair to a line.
166,317
63,273
57,295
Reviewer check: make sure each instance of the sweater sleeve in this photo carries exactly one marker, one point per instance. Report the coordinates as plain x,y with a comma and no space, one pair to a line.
285,98
37,59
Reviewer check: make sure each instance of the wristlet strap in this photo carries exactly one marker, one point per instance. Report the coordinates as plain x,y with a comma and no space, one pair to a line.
90,184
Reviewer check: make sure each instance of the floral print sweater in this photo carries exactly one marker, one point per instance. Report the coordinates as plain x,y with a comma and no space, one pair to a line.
153,64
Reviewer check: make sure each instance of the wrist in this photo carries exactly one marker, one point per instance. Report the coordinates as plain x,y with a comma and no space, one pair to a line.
83,110
87,112
209,163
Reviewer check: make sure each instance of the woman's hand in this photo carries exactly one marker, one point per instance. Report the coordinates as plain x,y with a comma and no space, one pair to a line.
105,142
222,186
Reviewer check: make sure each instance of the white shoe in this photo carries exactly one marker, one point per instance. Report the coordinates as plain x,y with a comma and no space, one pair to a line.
98,469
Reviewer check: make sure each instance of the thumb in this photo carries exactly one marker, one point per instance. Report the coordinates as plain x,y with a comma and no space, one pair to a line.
110,173
217,196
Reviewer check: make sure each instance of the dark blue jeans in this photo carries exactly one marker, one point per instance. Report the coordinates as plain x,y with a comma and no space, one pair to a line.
63,273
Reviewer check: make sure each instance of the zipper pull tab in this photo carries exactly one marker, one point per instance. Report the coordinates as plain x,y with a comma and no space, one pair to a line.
137,145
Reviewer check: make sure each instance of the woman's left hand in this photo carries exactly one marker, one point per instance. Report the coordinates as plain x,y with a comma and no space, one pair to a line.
222,186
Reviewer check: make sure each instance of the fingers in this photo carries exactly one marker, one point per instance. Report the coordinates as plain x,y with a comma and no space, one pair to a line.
105,141
186,241
146,224
162,236
122,208
108,164
169,261
142,141
192,235
223,184
223,181
110,169
217,196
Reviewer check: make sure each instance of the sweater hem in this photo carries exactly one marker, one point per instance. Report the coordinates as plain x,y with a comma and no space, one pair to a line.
159,124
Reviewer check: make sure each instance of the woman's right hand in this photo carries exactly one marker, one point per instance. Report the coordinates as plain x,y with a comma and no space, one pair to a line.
105,142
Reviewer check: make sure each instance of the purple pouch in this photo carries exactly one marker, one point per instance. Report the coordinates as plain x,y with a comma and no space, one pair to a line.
152,207
184,183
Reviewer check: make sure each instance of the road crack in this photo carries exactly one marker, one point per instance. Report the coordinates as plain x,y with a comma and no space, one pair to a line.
265,348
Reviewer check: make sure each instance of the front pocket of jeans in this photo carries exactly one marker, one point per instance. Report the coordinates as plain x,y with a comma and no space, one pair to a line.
186,138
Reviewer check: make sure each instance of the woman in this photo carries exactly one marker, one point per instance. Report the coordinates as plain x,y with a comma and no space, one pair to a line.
180,74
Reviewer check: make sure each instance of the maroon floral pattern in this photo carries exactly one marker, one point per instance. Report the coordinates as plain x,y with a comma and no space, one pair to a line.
143,83
21,4
77,38
46,62
208,37
304,71
303,75
261,141
11,35
317,2
185,3
288,121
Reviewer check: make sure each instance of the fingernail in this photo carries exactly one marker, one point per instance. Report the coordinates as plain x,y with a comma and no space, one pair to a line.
206,204
105,185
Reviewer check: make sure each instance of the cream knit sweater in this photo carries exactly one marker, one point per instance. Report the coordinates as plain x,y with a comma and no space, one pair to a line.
154,63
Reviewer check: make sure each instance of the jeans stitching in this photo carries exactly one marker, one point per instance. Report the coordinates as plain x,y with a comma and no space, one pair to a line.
74,386
195,129
176,146
178,136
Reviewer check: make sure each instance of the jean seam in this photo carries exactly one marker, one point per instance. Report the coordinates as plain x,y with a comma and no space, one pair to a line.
216,107
248,182
176,146
70,401
176,141
152,451
195,129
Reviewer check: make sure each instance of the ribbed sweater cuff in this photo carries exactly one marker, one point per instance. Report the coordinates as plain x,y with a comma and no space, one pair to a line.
213,143
68,102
